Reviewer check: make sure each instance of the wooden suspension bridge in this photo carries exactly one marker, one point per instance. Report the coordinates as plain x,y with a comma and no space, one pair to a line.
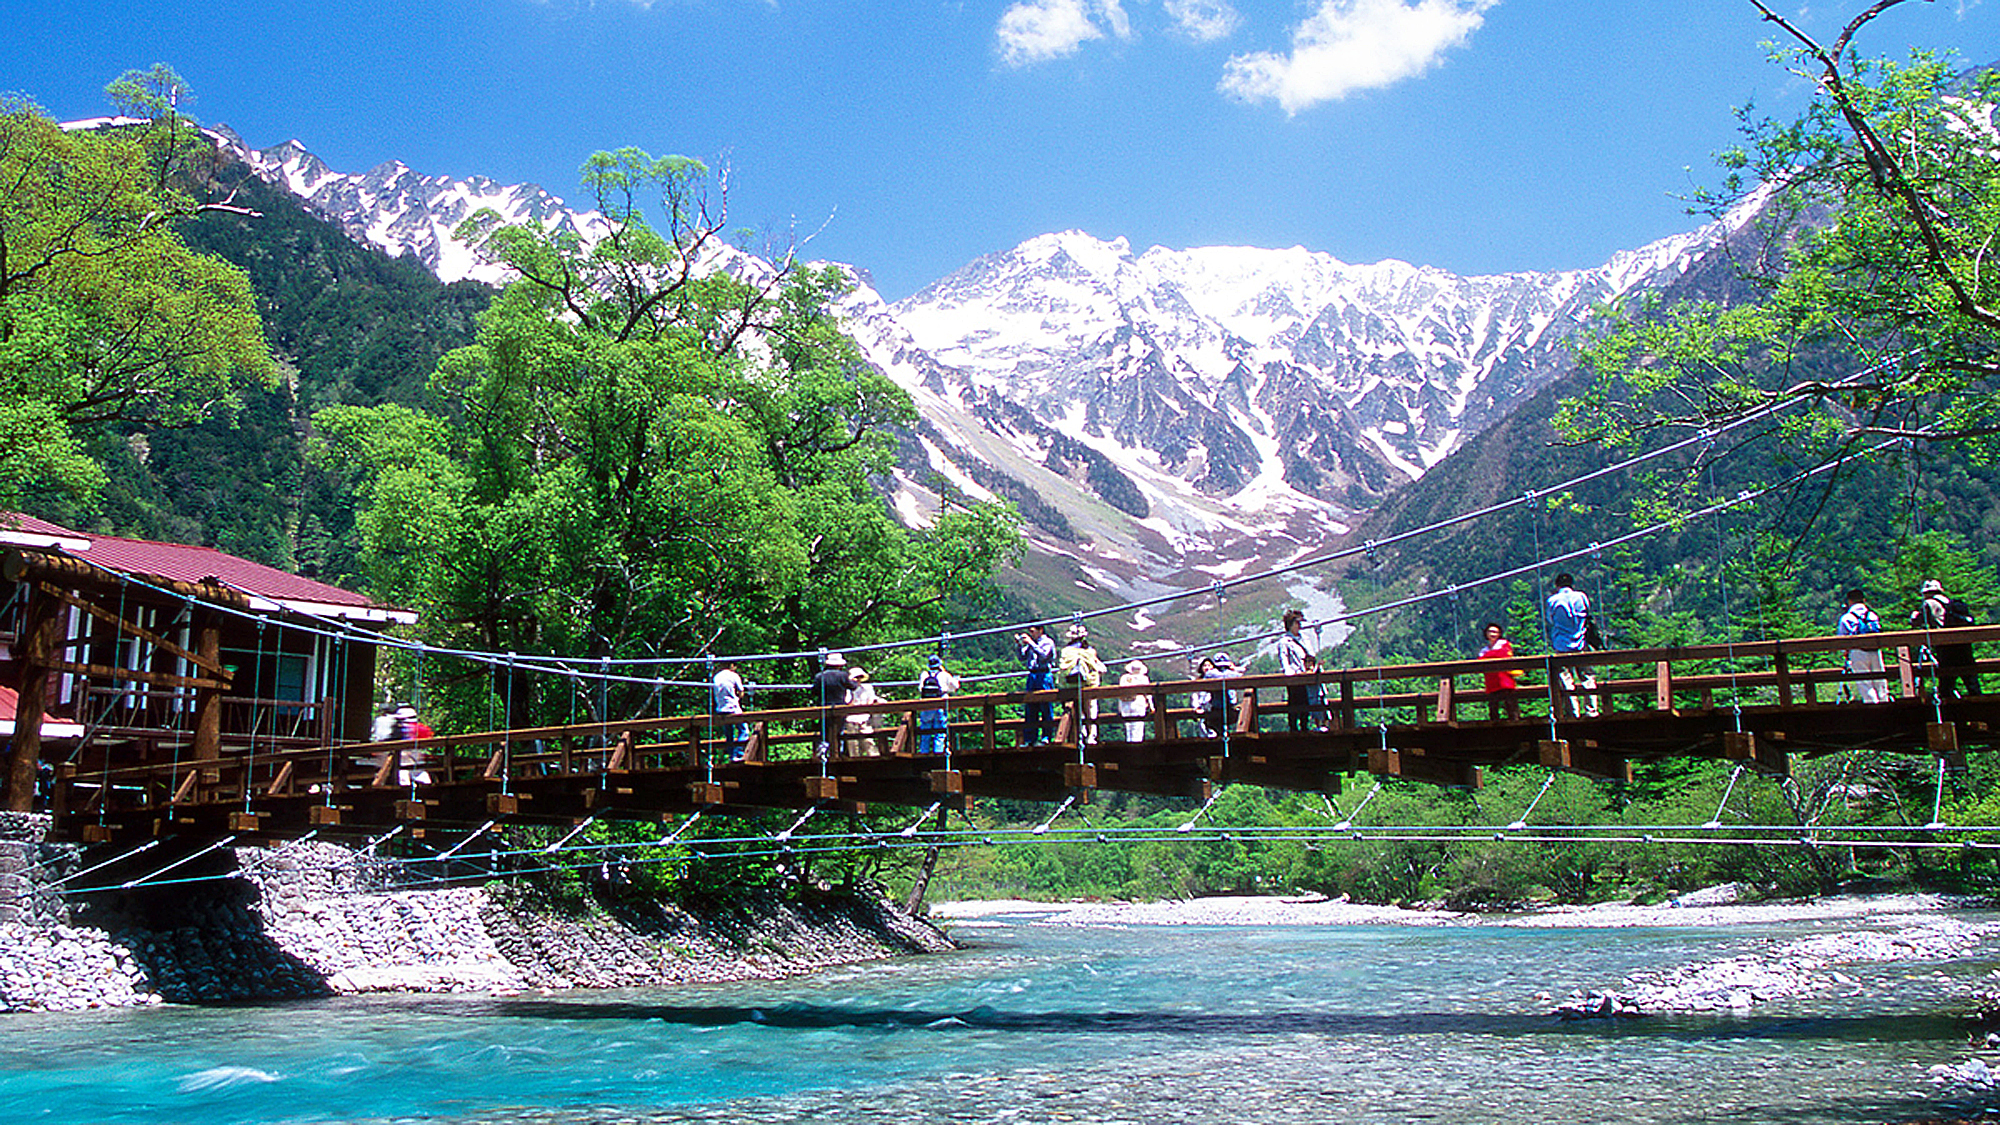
1758,703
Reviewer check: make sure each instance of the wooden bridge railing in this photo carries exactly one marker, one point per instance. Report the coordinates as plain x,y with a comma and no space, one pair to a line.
1791,673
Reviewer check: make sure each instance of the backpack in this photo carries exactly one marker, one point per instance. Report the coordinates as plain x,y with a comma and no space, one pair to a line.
1957,613
1870,623
932,687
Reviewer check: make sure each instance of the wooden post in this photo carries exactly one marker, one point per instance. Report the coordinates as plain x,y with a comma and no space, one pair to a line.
1663,686
1447,702
1343,719
905,742
1906,673
38,641
208,700
1163,728
1784,668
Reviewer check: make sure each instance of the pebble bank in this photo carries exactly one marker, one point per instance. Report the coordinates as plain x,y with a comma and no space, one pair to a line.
316,919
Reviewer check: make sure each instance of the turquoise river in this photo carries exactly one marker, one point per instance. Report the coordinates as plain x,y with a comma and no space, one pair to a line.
1039,1023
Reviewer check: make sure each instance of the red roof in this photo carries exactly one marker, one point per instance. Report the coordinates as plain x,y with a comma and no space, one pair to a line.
10,705
183,563
21,521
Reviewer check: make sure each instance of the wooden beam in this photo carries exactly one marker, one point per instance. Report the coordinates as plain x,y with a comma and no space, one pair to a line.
1583,758
112,672
1744,746
36,566
1416,766
128,627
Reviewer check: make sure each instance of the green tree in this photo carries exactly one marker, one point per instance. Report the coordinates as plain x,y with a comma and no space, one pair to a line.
1875,301
659,445
106,317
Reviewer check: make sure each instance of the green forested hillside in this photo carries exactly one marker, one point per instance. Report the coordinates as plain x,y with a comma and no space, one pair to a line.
348,325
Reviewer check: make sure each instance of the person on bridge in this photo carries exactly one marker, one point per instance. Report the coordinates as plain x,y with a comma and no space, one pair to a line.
1221,703
1200,700
728,693
1081,668
1135,708
832,686
1317,715
1038,655
413,760
1859,621
861,725
1568,620
1292,657
1955,662
1500,684
933,726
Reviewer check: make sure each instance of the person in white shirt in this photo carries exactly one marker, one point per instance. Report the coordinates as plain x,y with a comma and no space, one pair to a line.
728,693
1135,707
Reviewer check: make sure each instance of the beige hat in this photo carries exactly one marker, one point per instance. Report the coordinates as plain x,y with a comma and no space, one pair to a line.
835,660
1136,666
859,675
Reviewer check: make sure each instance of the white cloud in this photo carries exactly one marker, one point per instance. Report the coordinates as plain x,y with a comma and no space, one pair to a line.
1349,45
1033,31
1204,21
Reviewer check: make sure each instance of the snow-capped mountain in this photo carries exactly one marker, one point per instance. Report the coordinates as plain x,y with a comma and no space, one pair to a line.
1163,419
1214,409
391,207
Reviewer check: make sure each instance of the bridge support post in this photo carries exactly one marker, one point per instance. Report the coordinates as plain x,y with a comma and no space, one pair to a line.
1743,746
1415,765
38,640
1942,738
1584,758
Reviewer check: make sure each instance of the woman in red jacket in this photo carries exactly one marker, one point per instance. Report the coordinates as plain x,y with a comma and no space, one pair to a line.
1500,682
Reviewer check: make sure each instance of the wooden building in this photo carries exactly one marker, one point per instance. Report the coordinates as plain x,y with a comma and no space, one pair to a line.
130,651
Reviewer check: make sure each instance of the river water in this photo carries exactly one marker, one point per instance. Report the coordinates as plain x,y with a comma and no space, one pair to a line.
1037,1023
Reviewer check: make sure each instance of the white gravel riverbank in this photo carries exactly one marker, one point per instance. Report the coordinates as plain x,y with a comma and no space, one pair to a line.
1870,928
1715,907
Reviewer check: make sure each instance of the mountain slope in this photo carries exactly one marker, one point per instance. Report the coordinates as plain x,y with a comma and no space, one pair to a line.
1164,419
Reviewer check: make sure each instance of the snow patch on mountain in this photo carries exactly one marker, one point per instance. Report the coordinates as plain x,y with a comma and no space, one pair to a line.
405,213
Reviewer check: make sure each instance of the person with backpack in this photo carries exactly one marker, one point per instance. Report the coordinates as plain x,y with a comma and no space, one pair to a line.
1954,662
933,726
1037,651
1081,668
1859,621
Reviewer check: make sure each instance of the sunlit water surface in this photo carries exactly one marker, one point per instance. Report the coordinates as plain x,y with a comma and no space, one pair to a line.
1041,1023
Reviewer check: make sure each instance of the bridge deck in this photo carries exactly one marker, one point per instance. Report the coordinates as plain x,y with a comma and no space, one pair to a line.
1757,702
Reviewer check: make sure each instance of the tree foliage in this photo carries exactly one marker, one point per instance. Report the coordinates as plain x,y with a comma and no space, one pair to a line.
659,445
106,316
1868,254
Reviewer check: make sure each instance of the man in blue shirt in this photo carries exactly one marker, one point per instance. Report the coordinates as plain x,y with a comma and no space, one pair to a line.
1568,618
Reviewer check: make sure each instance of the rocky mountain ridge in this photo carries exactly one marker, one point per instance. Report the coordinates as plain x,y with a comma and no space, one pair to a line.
1163,418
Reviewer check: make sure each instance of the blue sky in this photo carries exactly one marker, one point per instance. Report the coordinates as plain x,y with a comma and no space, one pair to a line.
1480,136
